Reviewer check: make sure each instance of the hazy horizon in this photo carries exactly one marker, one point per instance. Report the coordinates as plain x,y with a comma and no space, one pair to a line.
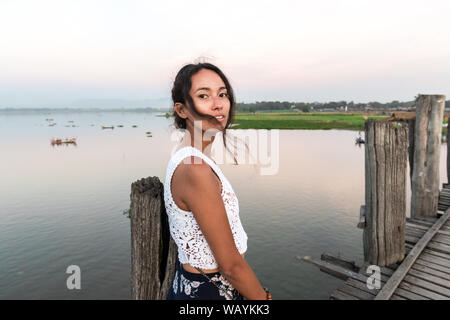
155,104
57,52
120,104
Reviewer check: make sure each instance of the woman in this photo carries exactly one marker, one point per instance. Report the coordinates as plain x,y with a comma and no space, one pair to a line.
200,203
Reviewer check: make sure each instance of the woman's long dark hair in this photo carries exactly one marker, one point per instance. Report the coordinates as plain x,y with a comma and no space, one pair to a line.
180,93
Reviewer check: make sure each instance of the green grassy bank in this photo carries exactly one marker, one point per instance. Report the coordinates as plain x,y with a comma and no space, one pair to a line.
307,120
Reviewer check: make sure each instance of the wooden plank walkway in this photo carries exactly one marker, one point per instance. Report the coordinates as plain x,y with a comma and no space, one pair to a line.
444,198
427,278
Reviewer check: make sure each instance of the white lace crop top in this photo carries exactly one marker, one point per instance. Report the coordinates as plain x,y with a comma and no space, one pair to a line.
192,245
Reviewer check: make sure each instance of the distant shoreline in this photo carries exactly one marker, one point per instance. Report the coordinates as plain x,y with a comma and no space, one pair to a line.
85,110
352,120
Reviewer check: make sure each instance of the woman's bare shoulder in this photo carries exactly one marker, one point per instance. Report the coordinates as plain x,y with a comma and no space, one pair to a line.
190,179
193,170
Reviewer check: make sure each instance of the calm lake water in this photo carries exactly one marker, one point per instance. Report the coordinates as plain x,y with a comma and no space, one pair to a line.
63,205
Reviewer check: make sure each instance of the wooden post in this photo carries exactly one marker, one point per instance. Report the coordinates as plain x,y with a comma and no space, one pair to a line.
411,126
448,152
385,176
427,147
153,252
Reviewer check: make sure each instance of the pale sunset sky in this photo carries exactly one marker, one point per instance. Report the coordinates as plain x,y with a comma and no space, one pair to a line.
54,52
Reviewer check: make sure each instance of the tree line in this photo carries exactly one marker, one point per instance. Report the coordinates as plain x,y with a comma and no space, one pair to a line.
314,106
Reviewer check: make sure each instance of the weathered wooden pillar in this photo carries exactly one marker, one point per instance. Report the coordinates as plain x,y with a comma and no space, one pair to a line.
411,126
385,178
448,152
427,150
153,252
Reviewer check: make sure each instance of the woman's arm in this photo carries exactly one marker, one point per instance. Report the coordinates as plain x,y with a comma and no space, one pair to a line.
202,194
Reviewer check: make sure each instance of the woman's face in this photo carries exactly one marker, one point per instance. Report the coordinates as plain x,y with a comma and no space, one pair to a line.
210,97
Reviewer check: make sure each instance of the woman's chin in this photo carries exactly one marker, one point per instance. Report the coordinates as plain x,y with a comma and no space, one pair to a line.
222,124
218,127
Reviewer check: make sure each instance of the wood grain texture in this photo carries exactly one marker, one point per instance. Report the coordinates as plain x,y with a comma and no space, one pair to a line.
153,252
427,146
448,150
396,280
385,209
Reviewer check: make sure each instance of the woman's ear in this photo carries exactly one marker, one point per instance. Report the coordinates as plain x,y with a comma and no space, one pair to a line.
180,110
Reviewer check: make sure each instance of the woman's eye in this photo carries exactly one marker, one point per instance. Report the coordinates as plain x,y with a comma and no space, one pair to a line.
223,94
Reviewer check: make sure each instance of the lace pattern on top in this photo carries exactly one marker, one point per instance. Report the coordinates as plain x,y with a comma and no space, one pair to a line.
192,245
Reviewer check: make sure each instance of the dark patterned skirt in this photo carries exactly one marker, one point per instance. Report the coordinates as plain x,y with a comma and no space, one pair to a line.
213,286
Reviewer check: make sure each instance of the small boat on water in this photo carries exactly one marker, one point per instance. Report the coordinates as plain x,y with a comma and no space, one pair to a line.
54,141
359,140
107,127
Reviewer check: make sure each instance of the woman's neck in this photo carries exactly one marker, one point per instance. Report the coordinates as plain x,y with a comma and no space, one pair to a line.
189,140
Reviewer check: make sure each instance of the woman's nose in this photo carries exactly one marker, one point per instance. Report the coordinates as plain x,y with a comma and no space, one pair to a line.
217,103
